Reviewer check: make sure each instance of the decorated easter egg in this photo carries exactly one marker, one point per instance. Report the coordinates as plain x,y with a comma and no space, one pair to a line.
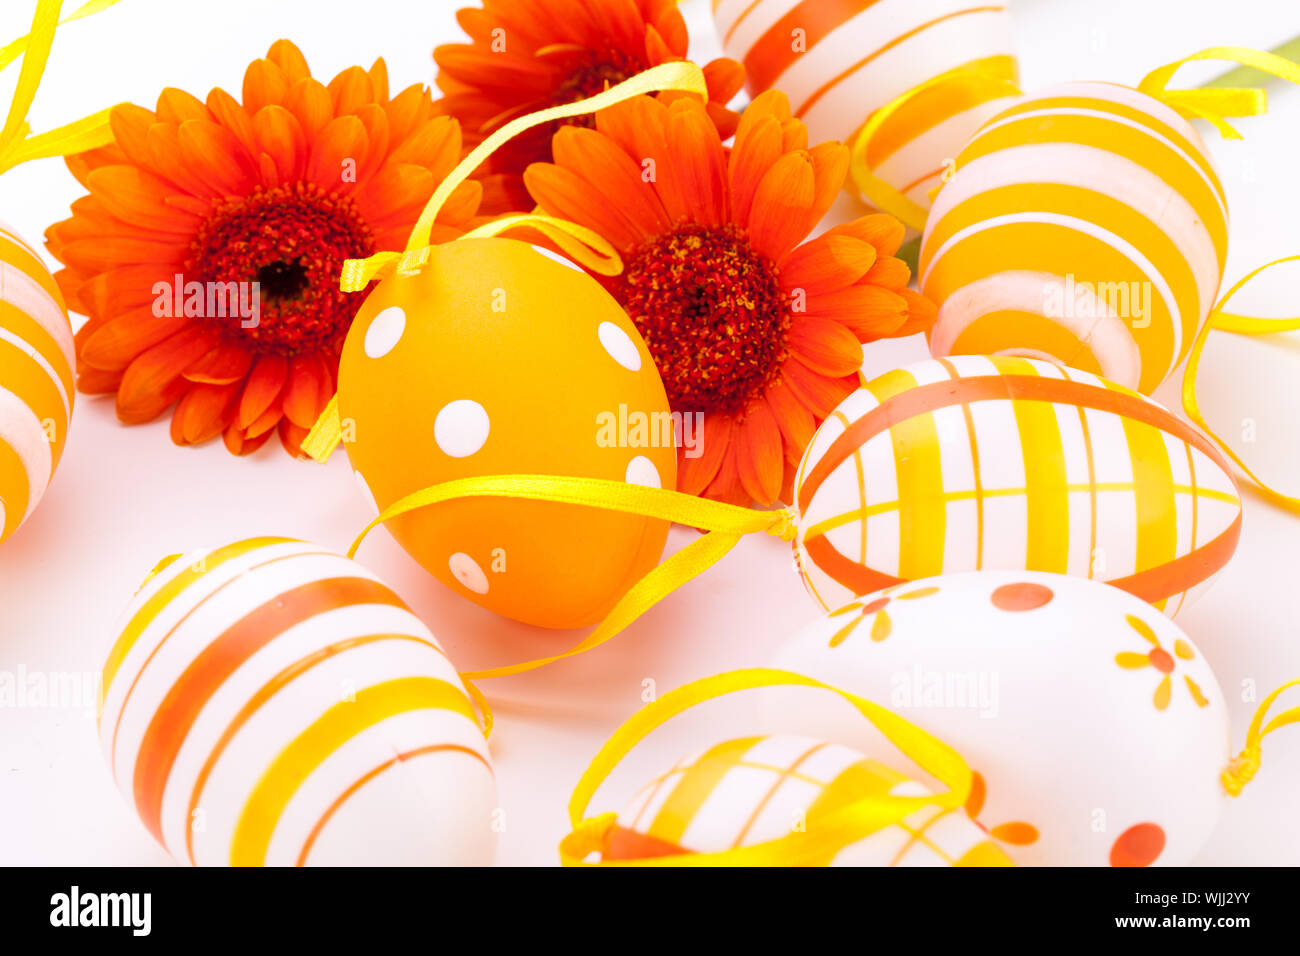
975,462
1084,223
755,789
501,358
273,703
1095,728
36,386
814,51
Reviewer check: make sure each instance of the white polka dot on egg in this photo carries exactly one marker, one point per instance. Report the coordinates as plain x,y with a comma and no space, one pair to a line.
642,471
385,331
556,257
466,570
620,346
461,428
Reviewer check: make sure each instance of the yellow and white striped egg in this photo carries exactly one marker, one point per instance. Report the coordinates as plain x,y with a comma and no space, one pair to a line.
1084,223
841,60
36,383
273,703
975,462
755,789
1095,730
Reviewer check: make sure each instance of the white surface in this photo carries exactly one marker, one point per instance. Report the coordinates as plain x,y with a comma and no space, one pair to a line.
124,497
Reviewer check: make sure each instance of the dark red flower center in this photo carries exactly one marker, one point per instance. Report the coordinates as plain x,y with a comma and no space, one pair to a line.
284,246
592,74
712,312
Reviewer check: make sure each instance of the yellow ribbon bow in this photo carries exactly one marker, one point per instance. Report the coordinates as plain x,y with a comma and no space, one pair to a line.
581,244
799,848
17,144
1212,103
1242,770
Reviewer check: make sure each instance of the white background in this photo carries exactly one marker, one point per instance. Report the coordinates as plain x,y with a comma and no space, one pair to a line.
124,497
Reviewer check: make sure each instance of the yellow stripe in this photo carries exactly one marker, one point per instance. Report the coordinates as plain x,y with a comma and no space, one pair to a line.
1154,497
920,483
335,727
153,607
693,789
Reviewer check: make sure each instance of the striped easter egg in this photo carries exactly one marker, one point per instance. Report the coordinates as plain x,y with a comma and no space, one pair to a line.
36,385
841,60
755,789
273,703
1086,224
977,462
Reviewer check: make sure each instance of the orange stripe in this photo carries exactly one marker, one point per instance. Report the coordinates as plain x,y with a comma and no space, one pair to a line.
774,51
1183,573
370,775
192,690
858,578
736,22
771,792
831,84
265,693
924,399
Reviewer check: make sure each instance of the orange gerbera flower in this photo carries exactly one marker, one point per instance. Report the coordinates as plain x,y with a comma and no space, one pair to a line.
526,55
760,334
196,202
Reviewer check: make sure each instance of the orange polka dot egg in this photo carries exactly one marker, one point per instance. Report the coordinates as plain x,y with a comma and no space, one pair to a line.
496,358
1096,729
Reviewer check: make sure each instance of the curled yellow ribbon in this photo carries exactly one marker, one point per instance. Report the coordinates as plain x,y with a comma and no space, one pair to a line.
801,848
1212,103
1221,320
1242,770
726,525
17,144
677,75
986,84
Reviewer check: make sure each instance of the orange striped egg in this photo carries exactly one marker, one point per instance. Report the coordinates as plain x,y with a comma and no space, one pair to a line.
502,358
977,462
273,703
757,789
841,60
36,387
1085,224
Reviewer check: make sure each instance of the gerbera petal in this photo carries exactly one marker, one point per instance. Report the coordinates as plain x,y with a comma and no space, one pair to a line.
563,193
795,421
350,90
309,102
724,77
202,413
306,390
238,444
137,196
880,229
830,162
177,106
115,343
216,156
280,136
825,346
758,147
695,474
343,139
130,125
262,390
287,56
870,312
263,423
759,458
726,484
827,263
153,380
615,174
818,393
778,218
699,161
264,83
889,273
291,437
921,313
224,365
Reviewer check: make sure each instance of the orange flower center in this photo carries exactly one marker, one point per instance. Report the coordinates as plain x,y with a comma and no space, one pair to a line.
712,313
290,240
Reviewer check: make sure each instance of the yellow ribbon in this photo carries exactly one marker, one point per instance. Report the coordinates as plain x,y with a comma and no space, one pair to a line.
875,190
678,75
811,847
1242,770
1222,321
583,245
1213,104
17,144
726,525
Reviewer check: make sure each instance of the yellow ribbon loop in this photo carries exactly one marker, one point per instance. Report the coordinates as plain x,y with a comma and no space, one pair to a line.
17,144
1212,103
726,525
584,246
1242,770
970,85
678,75
801,848
1222,321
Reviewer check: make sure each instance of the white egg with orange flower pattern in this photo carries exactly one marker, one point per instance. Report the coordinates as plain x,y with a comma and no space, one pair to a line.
1096,729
